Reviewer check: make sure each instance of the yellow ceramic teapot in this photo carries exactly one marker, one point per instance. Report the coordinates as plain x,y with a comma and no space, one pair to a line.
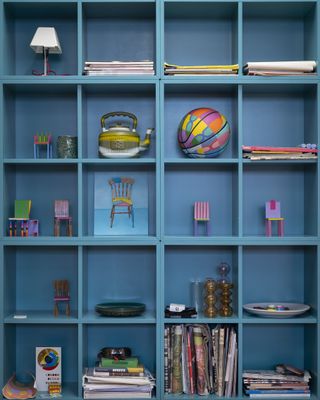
118,140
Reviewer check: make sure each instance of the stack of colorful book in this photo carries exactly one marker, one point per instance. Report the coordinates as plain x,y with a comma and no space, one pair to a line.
278,153
173,69
269,384
113,378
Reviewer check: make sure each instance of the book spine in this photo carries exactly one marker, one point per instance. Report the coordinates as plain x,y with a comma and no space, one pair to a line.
200,362
176,361
166,360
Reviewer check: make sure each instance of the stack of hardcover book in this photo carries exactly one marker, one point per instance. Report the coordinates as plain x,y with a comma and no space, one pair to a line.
270,384
117,379
173,69
99,68
278,153
200,360
280,68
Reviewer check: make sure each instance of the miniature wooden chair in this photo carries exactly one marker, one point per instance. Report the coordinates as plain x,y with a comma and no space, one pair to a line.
121,189
201,214
61,213
273,213
61,295
40,141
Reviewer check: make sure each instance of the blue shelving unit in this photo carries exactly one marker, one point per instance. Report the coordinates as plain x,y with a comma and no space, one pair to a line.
157,268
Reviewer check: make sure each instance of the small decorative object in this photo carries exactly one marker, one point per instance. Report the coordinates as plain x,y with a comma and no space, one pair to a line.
61,213
276,310
120,309
67,146
54,389
201,214
21,224
20,386
210,299
225,287
121,189
118,140
39,141
61,295
188,312
203,133
48,367
115,353
45,41
273,213
197,295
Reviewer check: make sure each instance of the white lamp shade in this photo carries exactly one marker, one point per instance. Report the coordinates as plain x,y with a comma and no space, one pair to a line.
46,38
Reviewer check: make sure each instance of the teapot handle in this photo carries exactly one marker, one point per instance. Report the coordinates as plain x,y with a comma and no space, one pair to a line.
122,113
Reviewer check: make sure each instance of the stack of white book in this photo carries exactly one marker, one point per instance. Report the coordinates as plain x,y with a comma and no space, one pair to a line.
99,383
97,68
280,68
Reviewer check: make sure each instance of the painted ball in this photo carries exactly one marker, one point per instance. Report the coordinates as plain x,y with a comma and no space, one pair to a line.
203,133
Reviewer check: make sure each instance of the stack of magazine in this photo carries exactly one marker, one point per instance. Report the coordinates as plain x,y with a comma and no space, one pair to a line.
145,67
173,69
117,379
199,360
257,153
280,68
269,384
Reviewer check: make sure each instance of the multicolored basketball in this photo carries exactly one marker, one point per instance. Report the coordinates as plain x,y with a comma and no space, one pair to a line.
203,133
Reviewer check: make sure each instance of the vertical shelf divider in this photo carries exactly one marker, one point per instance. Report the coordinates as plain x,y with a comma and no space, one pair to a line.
240,163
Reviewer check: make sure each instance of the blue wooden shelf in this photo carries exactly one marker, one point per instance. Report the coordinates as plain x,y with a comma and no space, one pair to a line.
157,268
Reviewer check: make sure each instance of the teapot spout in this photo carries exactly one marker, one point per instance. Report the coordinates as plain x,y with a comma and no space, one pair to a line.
144,145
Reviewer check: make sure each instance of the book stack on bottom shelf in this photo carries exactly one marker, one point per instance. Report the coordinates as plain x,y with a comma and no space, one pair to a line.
200,360
116,378
262,384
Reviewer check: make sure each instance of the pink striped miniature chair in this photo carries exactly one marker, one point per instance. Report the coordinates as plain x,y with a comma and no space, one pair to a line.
201,214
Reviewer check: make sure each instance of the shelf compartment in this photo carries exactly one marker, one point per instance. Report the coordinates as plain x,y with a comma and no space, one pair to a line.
25,265
42,185
185,184
279,115
265,346
293,34
203,31
180,99
30,110
139,99
122,31
280,274
20,23
121,273
143,196
186,264
293,185
20,351
140,338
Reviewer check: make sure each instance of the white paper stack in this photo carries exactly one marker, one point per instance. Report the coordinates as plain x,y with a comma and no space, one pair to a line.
117,386
280,68
97,68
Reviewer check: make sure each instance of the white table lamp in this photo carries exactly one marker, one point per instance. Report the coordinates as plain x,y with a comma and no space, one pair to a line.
46,41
